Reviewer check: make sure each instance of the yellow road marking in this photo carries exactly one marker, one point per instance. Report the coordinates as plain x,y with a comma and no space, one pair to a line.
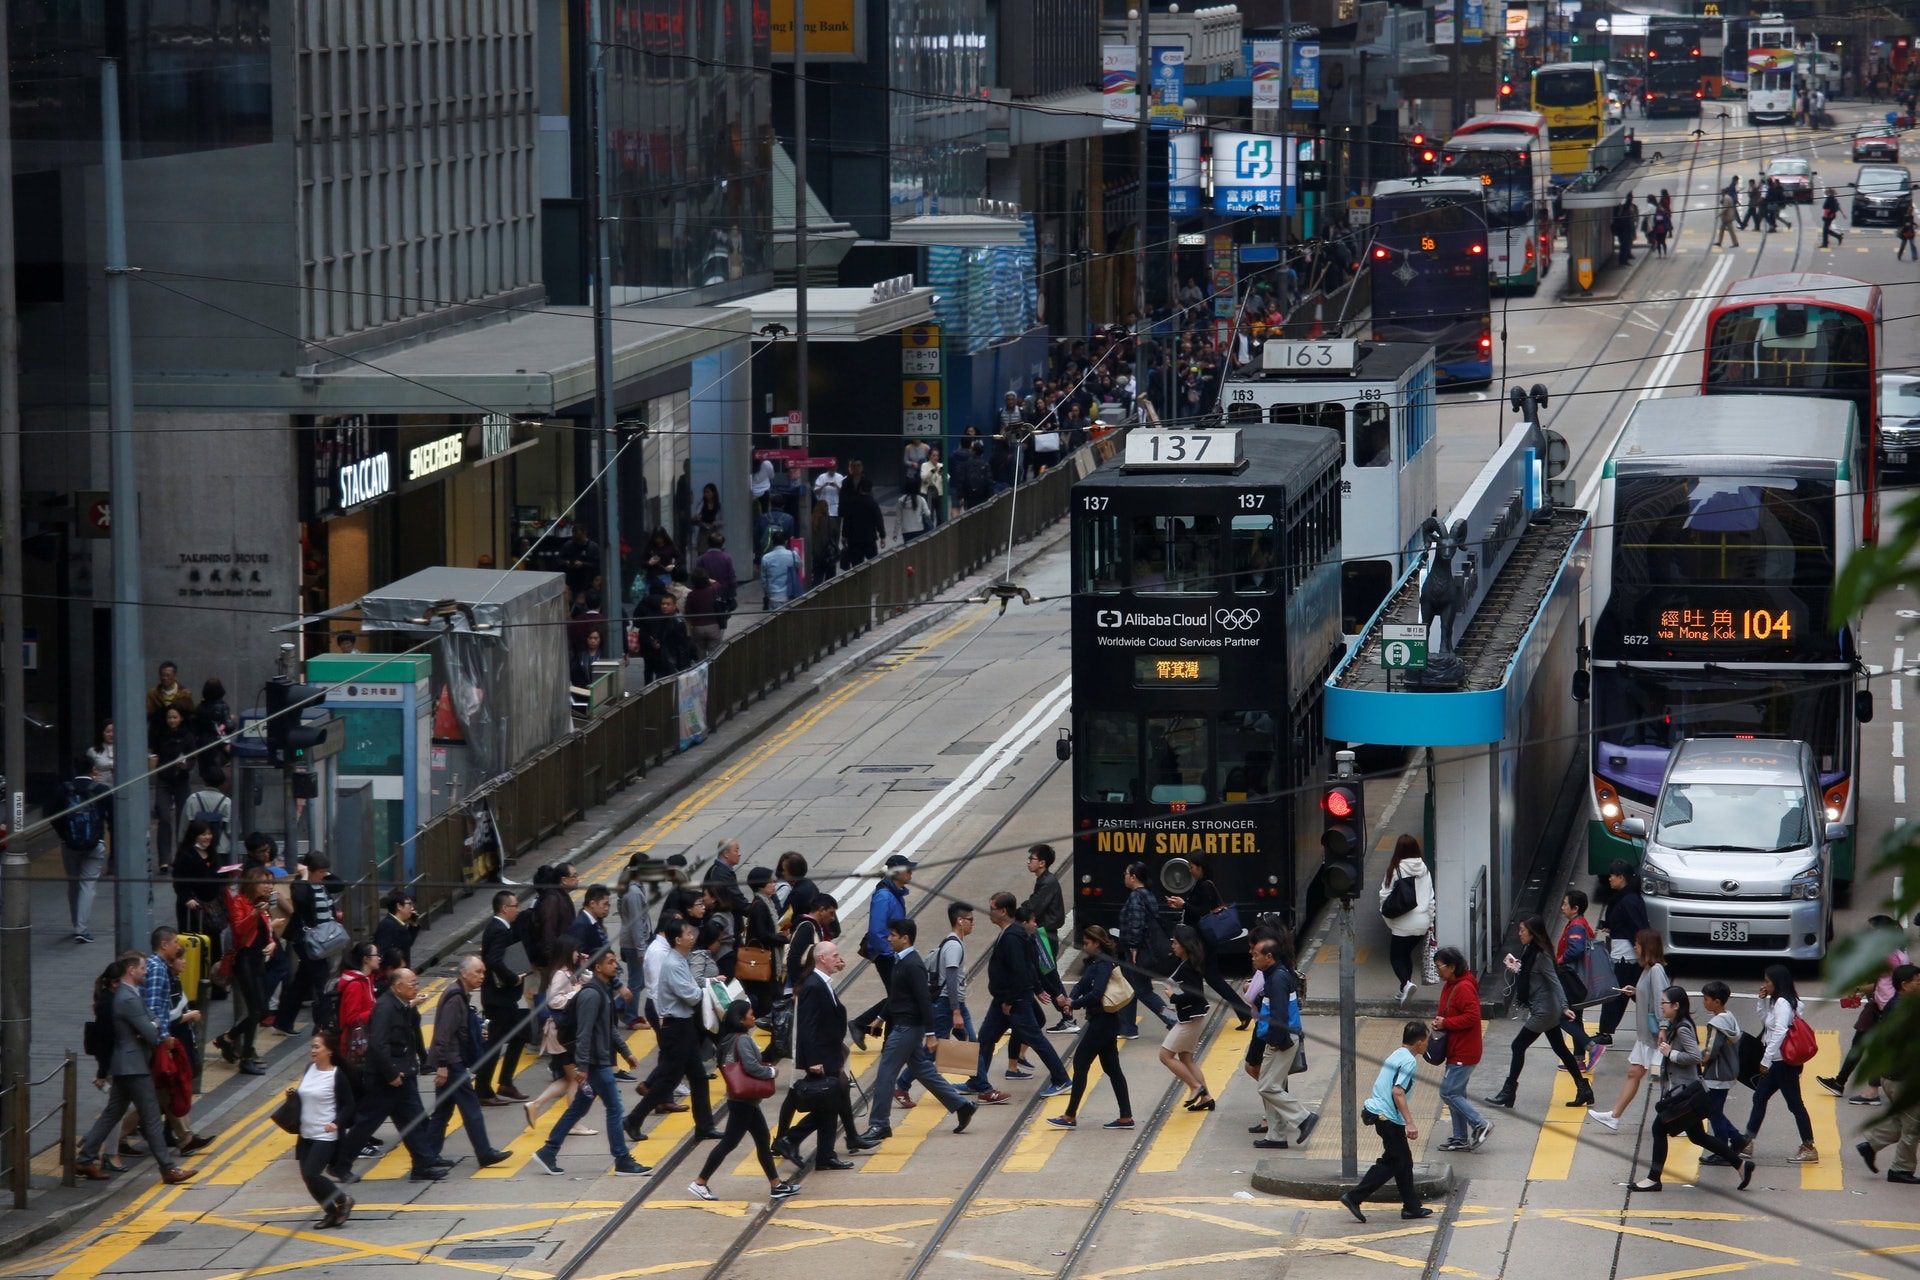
832,1234
1004,1264
1175,1139
406,1251
910,1129
1689,1274
1211,1219
1692,1242
1034,1150
1559,1133
1821,1108
370,1206
266,1144
1857,1275
104,1253
657,1269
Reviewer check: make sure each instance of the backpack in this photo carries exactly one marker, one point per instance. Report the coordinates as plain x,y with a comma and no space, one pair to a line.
195,810
566,1022
326,1007
96,1039
83,827
1799,1047
936,972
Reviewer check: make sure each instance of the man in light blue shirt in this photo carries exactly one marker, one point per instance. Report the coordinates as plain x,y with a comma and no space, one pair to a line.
1386,1110
676,997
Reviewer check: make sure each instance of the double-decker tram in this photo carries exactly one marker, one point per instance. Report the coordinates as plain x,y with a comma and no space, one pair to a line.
1427,268
1806,334
1772,66
1720,527
1380,397
1572,97
1508,152
1206,619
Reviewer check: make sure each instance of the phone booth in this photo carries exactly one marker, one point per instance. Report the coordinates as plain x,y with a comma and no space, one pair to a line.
384,703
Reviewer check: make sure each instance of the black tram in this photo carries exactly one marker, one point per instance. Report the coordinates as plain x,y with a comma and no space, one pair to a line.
1206,620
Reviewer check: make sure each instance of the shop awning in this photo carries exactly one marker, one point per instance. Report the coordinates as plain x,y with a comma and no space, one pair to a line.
842,315
533,365
968,230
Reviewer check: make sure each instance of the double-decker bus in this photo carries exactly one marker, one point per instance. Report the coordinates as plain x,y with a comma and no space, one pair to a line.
1675,69
1508,152
1380,397
1206,620
1572,97
1802,333
1771,65
1427,267
1720,527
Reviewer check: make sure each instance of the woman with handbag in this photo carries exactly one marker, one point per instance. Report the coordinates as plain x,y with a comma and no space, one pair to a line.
325,1097
1186,992
1217,924
748,1081
1103,991
1683,1103
1650,954
1456,1042
1406,902
1779,1009
1537,993
761,942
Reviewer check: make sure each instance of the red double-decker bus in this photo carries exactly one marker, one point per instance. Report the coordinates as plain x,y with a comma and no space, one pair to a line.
1803,333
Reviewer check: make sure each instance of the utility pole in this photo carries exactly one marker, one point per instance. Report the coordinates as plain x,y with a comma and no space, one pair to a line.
1289,150
132,864
1349,1046
606,445
16,912
1143,86
800,208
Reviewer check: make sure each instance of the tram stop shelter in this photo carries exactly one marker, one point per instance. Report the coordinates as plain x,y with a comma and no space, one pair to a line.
1502,746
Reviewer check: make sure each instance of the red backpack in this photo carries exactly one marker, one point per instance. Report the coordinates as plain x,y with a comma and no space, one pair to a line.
1799,1047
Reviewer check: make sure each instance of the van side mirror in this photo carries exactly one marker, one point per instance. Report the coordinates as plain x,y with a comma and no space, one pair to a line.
1635,827
1863,706
1836,831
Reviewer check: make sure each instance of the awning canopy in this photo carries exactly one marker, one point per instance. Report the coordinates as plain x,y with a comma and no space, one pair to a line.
841,315
964,229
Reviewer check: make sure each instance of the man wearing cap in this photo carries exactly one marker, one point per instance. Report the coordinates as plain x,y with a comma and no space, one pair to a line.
889,903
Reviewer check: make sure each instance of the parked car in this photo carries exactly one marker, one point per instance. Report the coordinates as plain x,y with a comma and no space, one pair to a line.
1899,424
1738,860
1881,193
1795,175
1876,141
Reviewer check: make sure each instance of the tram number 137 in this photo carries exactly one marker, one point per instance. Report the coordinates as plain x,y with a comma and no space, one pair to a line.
1183,450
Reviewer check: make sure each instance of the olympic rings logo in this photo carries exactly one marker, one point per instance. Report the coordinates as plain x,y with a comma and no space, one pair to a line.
1237,619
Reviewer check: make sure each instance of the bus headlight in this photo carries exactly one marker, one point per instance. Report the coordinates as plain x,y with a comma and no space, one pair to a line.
1836,799
1805,887
1607,800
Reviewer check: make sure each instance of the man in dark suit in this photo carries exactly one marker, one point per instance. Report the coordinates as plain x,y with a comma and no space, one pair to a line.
809,930
723,877
129,1071
820,1050
394,1054
502,1001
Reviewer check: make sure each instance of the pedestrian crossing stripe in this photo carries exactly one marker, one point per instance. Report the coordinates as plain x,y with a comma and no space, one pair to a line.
1559,1133
1822,1108
1034,1150
1175,1139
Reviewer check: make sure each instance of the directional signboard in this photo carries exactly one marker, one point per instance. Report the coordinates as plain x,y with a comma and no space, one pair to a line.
1403,647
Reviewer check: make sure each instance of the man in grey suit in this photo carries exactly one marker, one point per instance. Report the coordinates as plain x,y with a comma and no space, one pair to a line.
130,1078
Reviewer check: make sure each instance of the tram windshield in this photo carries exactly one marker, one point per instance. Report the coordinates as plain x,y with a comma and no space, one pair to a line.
1176,555
1228,757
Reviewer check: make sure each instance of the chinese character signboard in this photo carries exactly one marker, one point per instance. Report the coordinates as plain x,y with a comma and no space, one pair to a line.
1251,169
1168,109
1183,169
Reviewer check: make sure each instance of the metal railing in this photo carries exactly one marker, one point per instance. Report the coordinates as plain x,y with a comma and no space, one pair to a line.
16,1137
763,651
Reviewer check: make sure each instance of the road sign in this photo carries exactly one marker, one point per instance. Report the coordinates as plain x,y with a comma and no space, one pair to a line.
1403,647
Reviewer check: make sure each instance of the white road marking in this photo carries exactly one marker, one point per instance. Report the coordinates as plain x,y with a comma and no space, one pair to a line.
1899,740
1900,659
1899,784
1896,692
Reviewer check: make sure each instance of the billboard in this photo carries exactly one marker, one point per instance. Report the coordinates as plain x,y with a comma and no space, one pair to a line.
1183,174
1169,88
836,30
1264,70
1252,169
1120,83
1305,81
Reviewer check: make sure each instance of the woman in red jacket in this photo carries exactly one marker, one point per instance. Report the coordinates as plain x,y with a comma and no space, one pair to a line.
1460,1019
253,945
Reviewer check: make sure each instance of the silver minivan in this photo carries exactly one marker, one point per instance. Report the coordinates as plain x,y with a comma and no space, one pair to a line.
1737,861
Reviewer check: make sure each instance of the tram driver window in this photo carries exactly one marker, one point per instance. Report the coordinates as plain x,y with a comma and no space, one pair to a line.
1248,751
1102,554
1254,573
1372,435
1109,751
1177,759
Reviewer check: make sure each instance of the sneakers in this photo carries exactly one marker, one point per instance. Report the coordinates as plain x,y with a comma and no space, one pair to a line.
904,1100
1603,1038
1406,991
1594,1051
1063,1122
630,1168
1065,1027
1831,1084
1805,1155
701,1191
1126,1123
1607,1118
1455,1144
549,1163
1015,1073
1862,1100
782,1190
992,1097
1480,1134
1055,1090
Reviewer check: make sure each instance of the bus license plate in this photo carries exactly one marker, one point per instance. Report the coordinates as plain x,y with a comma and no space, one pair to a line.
1899,458
1728,931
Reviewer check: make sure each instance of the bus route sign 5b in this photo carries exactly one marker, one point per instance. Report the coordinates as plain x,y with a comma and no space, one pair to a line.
1402,647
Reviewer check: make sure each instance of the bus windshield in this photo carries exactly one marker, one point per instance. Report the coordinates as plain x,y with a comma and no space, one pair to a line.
1689,531
1639,716
1408,214
1789,346
1569,88
1508,180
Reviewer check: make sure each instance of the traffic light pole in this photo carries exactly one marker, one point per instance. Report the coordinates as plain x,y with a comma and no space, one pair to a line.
1349,1085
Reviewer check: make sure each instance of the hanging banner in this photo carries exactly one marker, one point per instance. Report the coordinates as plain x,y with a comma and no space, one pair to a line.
690,704
1306,75
1474,20
1265,72
1169,87
1443,24
1120,84
1183,175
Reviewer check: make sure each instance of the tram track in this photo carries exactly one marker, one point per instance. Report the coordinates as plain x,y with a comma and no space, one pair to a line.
669,1166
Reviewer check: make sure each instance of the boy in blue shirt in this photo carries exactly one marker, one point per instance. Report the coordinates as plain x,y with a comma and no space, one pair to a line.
1386,1110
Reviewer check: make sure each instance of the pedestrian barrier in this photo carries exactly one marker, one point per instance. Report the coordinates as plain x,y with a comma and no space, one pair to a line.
763,651
16,1136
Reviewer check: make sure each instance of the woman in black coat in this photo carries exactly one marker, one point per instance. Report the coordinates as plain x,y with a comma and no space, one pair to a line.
1200,902
1101,1038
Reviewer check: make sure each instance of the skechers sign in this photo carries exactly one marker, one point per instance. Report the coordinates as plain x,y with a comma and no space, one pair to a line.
361,482
1224,627
435,455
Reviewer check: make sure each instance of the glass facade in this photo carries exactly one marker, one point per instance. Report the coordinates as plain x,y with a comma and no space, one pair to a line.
690,165
938,152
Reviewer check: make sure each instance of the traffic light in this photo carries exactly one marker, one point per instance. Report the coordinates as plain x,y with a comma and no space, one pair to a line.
1343,835
289,740
1506,90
